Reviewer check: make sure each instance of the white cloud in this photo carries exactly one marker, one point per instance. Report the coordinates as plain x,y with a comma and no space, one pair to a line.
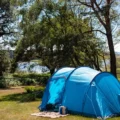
117,47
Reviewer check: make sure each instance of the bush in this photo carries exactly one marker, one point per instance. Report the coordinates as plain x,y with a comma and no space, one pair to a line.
32,79
8,82
30,75
12,82
30,89
37,92
27,81
2,83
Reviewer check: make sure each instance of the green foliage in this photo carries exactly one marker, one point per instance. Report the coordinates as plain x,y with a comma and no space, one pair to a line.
18,2
30,89
32,79
4,62
27,81
9,82
5,18
3,83
18,79
56,35
30,75
35,92
35,10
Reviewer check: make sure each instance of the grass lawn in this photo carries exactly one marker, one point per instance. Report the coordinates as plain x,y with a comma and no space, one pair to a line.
13,108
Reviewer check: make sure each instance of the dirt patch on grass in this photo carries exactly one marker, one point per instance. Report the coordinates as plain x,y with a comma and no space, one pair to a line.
12,90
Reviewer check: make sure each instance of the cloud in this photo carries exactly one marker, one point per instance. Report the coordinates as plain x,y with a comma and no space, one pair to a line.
117,47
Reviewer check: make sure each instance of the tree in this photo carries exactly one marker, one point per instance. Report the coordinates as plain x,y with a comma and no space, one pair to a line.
4,61
5,17
102,10
57,36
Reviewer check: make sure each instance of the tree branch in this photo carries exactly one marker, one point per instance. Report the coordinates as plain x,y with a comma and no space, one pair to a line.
85,3
100,2
98,6
95,31
91,5
97,15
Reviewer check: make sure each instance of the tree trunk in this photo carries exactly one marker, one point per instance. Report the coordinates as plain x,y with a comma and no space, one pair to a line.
109,38
104,62
1,66
105,11
112,53
1,73
52,71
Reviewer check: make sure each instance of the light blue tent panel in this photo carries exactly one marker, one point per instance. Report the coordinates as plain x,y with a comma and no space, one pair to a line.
55,87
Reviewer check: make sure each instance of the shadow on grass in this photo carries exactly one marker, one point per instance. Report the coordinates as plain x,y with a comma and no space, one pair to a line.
23,97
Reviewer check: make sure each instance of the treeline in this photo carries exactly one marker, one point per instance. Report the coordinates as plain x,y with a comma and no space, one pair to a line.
58,36
60,33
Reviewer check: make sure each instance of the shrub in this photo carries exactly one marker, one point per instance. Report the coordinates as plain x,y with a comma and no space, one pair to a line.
2,83
31,89
8,82
30,75
27,81
34,92
12,82
32,79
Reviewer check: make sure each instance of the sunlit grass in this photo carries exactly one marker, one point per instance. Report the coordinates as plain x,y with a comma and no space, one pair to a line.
12,108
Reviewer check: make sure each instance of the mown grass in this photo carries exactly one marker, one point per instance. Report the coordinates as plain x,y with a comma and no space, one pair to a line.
16,105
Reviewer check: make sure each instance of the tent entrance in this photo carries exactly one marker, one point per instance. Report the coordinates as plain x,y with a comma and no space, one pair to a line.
56,90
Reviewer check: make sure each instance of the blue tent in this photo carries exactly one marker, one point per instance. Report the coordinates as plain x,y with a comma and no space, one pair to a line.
85,91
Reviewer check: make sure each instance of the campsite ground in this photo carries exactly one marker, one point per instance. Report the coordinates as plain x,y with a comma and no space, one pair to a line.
11,107
14,104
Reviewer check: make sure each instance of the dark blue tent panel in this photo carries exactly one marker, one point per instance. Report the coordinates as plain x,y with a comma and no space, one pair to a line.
84,90
108,91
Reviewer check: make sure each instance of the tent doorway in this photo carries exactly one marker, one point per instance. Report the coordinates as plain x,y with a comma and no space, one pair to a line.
56,90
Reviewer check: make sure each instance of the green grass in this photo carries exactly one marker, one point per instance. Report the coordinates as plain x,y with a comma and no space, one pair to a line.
15,105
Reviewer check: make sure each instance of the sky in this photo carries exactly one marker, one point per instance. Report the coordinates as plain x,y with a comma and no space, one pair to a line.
117,46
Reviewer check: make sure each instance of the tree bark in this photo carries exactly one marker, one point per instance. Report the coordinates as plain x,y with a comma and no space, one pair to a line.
1,73
107,26
112,53
52,70
109,38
